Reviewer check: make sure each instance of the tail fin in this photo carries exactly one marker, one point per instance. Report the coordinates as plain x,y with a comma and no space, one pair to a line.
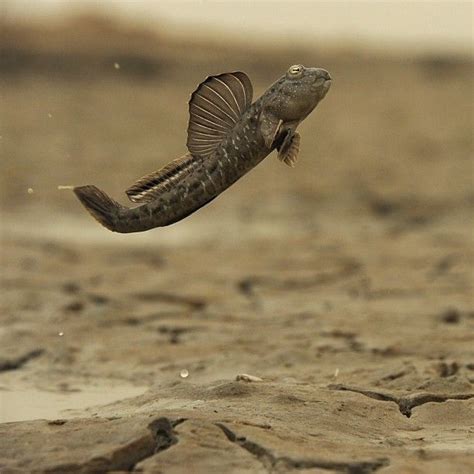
103,208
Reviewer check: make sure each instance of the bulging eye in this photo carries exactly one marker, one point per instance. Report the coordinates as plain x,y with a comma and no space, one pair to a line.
295,70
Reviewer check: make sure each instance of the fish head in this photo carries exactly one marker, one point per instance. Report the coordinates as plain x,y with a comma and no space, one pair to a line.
298,92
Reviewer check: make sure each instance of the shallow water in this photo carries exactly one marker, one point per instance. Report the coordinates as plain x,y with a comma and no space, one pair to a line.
22,405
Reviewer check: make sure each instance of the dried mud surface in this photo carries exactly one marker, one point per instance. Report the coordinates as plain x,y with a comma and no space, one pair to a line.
344,284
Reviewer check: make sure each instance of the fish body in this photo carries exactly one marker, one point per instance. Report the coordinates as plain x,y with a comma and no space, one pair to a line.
227,137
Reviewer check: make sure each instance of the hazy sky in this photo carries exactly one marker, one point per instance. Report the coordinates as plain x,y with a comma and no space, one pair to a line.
416,24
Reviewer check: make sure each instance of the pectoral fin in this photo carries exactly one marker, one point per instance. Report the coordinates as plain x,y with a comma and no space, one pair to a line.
288,151
269,127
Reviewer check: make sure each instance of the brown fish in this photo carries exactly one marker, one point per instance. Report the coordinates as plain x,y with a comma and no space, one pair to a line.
228,135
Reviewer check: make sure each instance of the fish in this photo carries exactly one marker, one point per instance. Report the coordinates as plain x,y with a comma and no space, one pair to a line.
227,136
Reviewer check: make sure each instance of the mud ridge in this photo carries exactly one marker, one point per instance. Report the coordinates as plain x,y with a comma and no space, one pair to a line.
272,462
247,286
405,404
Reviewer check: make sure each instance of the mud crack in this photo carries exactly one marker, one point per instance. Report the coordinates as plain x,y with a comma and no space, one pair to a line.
163,437
248,285
274,463
405,403
155,296
19,362
160,437
163,434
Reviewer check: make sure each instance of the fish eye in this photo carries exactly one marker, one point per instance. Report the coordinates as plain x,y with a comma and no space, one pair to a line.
295,70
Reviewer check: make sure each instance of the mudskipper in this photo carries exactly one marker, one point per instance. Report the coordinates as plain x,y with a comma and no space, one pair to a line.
228,135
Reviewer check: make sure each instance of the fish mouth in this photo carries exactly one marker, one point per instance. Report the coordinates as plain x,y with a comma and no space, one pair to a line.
323,83
327,83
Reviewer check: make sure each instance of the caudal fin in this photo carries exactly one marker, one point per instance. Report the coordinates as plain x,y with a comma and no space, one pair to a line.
103,208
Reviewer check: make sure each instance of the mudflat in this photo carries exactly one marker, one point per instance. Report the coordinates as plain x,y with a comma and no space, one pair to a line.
316,319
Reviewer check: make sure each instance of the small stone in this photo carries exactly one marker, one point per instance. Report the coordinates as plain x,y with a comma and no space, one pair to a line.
184,374
248,378
116,65
30,191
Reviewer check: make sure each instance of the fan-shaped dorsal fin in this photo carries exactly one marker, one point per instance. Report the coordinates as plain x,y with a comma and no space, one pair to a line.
214,109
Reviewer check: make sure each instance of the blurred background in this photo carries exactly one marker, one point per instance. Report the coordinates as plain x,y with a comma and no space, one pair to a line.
419,25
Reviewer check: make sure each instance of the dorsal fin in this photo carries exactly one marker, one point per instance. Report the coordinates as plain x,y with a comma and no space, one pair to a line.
149,187
214,109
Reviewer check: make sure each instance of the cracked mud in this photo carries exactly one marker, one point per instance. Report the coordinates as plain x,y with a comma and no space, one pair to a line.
276,463
405,403
345,285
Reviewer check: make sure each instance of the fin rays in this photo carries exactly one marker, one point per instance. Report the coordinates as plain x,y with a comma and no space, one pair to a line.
288,152
239,110
235,114
215,107
151,186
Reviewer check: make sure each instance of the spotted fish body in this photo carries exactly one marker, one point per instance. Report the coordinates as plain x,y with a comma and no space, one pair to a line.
227,137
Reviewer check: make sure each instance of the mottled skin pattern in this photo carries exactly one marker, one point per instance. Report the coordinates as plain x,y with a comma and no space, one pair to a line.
280,109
